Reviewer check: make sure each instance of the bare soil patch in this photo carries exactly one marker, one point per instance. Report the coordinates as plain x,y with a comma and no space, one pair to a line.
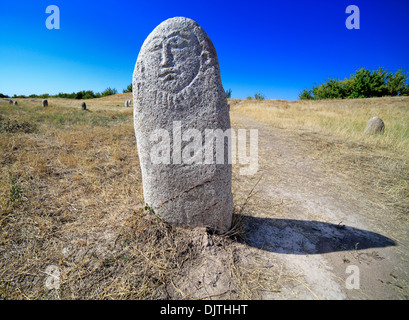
319,214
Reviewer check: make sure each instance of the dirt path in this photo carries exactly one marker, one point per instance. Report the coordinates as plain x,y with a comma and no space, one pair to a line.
312,219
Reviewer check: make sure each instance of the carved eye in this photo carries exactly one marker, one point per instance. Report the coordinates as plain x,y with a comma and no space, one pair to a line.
178,42
155,45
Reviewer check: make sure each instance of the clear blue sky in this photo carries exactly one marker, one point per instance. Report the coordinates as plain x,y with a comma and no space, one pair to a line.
273,47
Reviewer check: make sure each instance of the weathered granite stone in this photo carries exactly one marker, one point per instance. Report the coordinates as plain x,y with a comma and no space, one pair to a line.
126,103
44,103
177,95
15,103
374,125
10,101
83,106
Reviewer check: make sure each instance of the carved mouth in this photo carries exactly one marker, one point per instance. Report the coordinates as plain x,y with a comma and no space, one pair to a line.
169,74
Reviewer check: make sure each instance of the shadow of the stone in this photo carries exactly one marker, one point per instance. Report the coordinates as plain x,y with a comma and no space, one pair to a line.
290,236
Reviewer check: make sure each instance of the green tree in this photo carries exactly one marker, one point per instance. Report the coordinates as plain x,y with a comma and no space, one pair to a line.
79,95
306,95
331,89
259,96
88,94
108,92
358,86
128,89
396,83
365,83
362,84
377,83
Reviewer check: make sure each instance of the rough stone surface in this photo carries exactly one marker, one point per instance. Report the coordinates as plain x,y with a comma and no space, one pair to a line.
374,125
177,79
83,106
44,103
127,103
15,103
10,101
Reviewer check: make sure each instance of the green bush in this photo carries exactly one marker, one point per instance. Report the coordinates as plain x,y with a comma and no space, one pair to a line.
109,92
259,96
80,95
331,89
362,84
15,192
306,95
128,89
396,83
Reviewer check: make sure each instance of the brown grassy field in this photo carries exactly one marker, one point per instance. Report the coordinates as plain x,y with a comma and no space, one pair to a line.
337,127
71,196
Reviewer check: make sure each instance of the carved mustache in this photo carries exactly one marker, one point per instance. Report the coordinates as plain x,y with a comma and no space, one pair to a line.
168,71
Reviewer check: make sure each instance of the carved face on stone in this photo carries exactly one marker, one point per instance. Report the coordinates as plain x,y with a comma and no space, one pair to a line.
177,80
171,59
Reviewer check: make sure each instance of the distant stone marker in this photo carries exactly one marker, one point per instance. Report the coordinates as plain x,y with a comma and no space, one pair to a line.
127,103
177,92
44,103
10,101
83,106
374,125
15,103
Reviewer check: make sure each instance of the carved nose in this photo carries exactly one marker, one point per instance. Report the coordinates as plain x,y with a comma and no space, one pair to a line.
167,58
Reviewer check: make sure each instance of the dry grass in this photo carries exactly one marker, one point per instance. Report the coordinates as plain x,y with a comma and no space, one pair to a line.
342,118
333,131
76,177
71,197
